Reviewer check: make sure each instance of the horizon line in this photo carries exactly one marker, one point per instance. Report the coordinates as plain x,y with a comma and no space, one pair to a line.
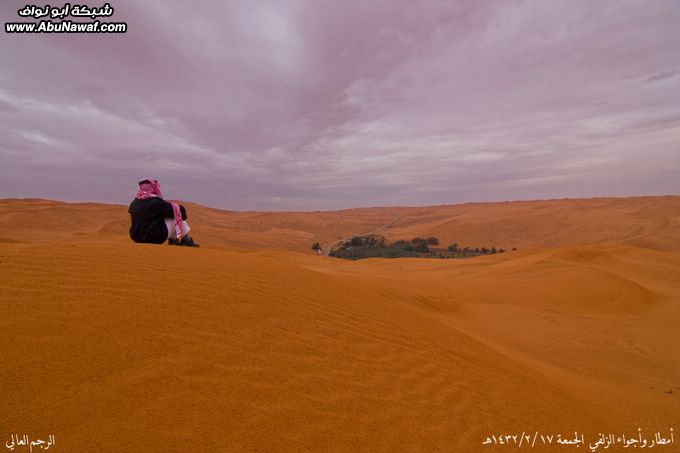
533,200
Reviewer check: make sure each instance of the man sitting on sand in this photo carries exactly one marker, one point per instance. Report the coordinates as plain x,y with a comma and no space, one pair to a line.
154,220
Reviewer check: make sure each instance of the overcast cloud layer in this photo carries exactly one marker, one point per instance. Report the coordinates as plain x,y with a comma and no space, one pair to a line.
319,104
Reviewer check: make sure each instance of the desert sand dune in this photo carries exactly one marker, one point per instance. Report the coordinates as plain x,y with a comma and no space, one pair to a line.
242,345
644,221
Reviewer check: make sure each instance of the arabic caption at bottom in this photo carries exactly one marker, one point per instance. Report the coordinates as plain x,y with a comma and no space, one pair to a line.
24,442
528,439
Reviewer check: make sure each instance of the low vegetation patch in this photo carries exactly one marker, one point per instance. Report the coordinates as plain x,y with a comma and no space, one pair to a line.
375,246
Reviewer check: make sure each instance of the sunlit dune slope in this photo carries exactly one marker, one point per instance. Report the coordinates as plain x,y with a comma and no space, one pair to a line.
644,221
242,345
603,319
124,347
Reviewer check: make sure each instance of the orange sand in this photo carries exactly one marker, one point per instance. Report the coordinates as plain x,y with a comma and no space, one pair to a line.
113,346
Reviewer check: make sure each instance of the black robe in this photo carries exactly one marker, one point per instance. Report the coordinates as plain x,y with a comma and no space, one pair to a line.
148,219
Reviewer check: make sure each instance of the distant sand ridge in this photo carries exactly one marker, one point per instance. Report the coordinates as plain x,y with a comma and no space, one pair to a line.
253,343
643,221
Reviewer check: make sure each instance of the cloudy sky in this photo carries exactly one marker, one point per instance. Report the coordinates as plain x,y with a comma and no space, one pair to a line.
324,104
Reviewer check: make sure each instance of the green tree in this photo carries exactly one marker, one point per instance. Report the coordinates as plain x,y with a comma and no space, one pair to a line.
422,248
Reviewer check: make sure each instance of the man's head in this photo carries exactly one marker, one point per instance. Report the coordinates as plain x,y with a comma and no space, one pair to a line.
149,188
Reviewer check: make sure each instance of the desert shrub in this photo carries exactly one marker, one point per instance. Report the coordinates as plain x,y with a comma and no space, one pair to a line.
375,246
356,241
422,248
373,240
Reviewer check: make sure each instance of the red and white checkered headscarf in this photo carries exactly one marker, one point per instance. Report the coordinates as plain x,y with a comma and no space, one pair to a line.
148,188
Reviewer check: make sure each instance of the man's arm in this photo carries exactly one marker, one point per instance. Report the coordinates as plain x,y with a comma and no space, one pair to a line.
167,211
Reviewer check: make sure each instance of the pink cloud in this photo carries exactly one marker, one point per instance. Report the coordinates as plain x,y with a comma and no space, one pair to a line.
321,104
